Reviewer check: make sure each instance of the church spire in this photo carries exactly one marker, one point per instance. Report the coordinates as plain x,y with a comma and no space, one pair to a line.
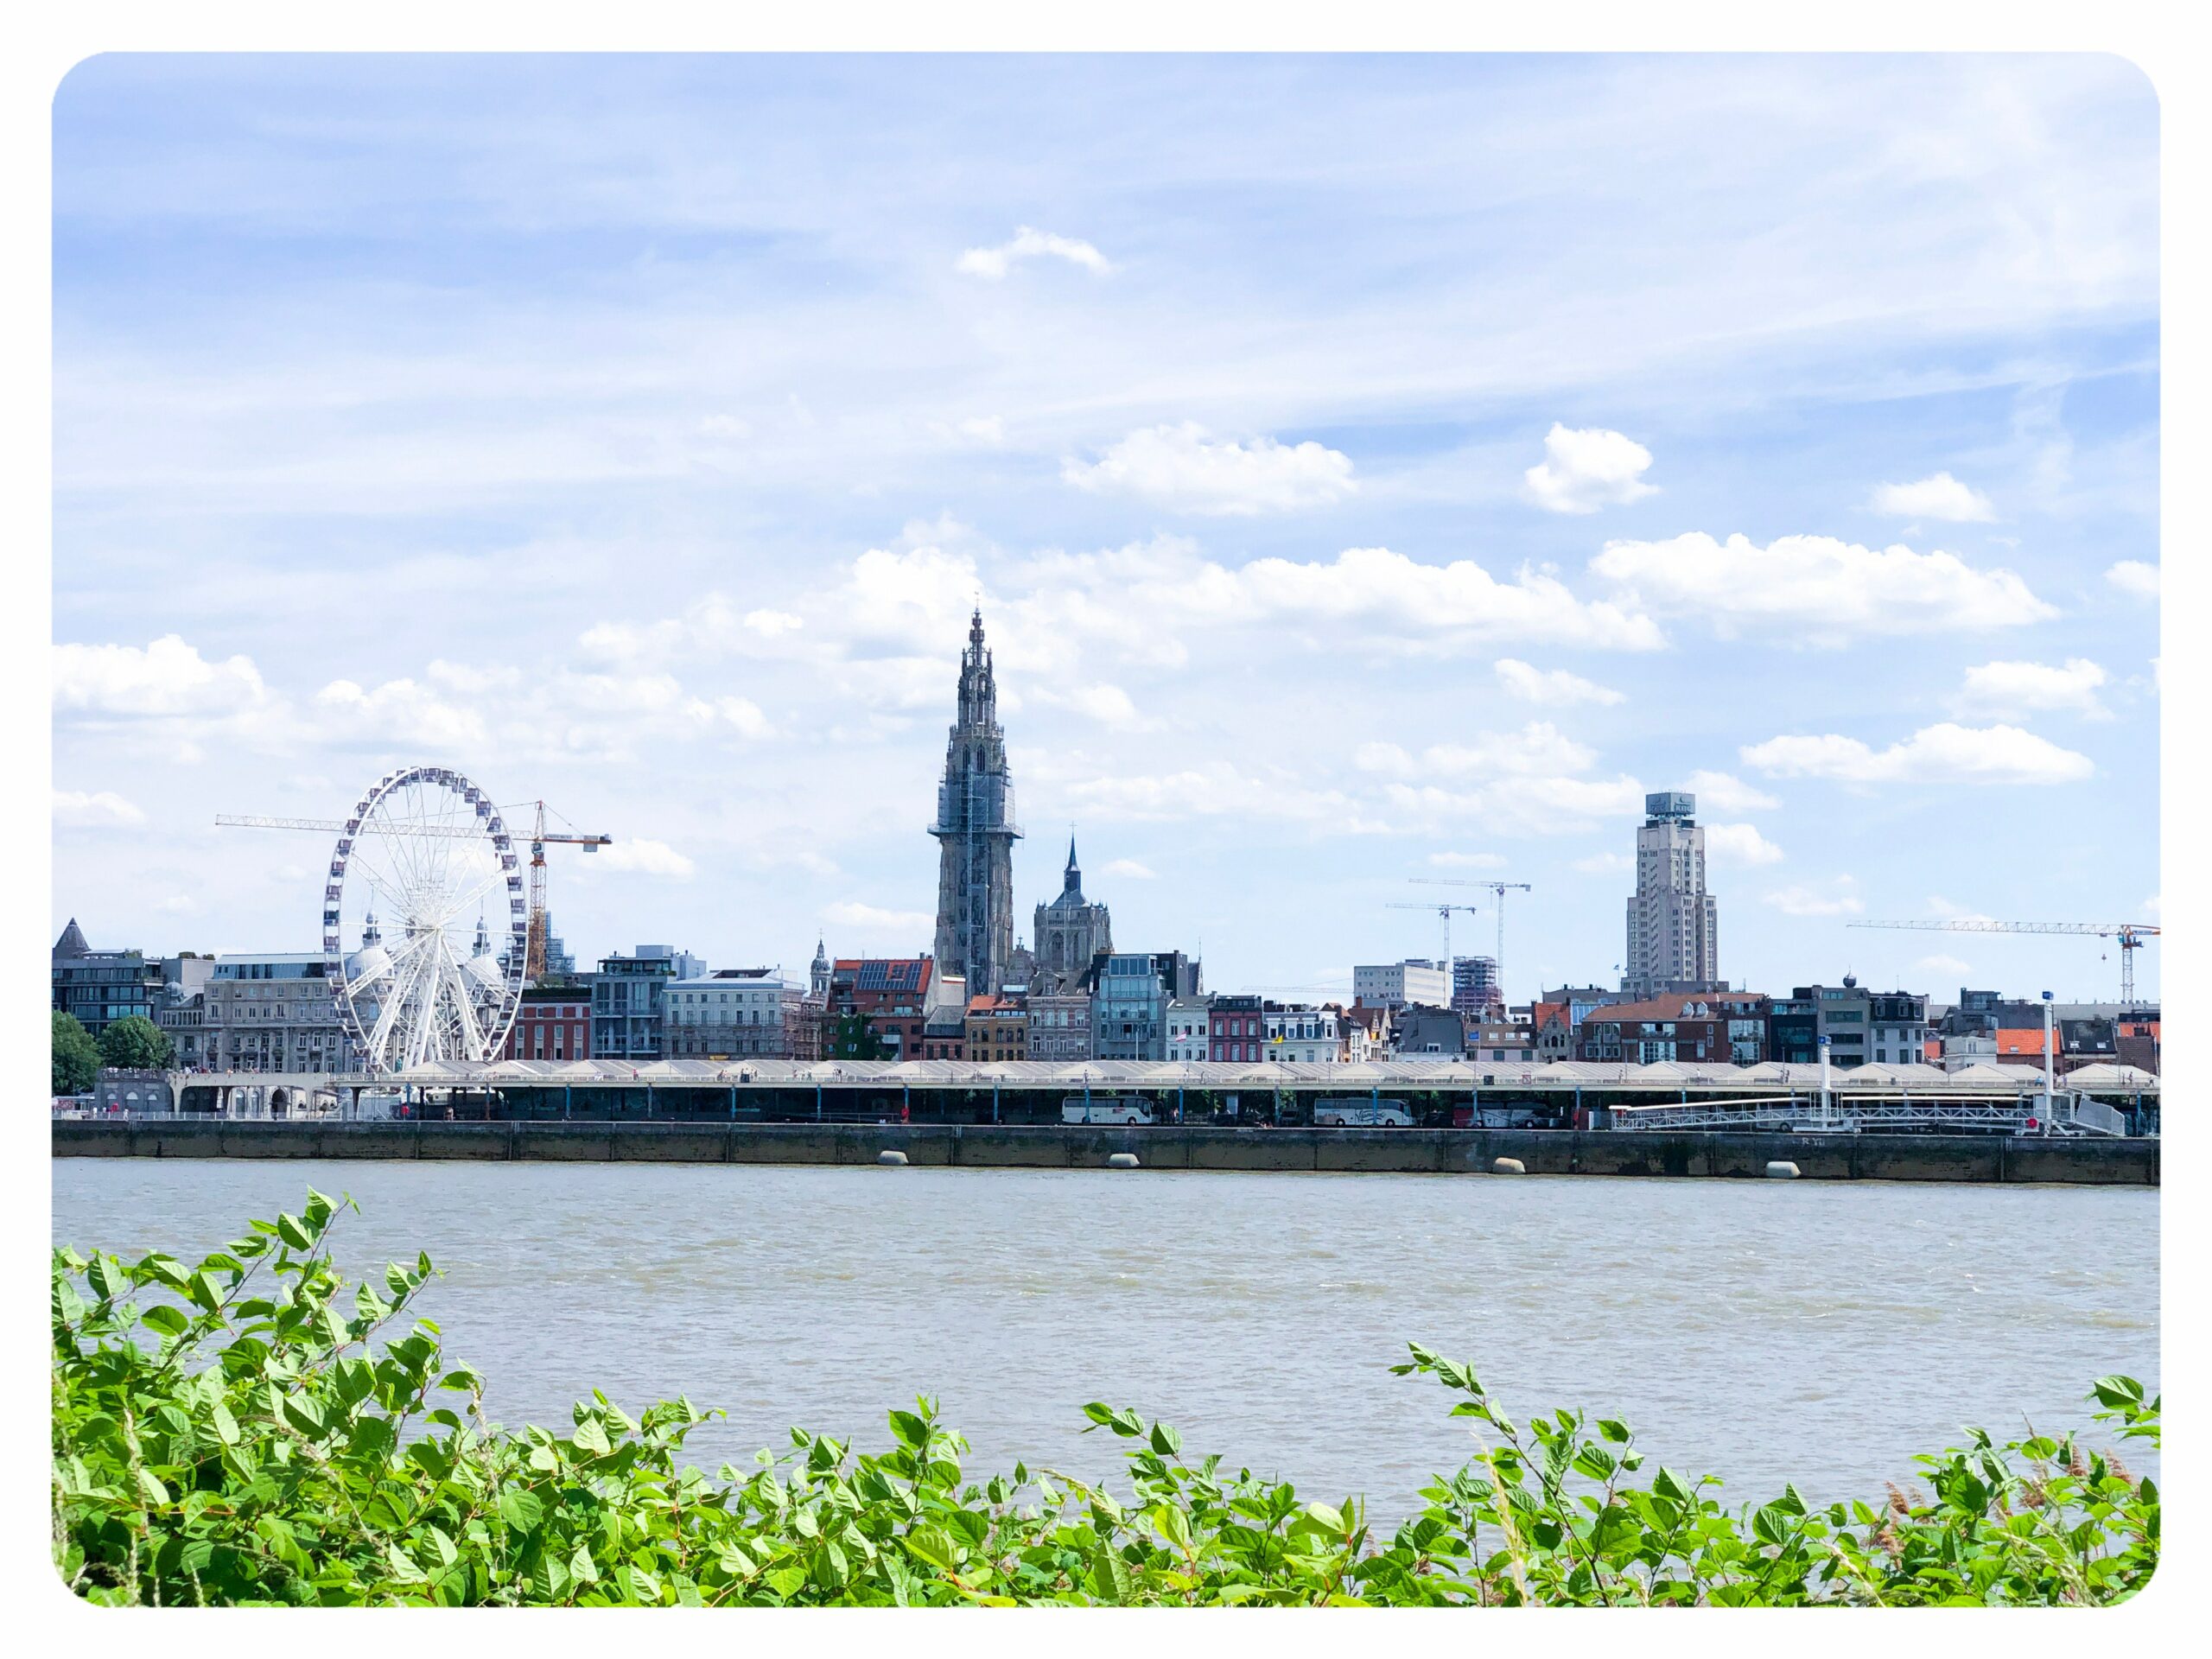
1072,880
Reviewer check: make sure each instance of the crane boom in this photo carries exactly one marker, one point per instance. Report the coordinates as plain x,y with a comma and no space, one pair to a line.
2132,937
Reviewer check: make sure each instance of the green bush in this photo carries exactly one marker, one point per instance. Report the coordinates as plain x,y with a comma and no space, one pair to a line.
244,1431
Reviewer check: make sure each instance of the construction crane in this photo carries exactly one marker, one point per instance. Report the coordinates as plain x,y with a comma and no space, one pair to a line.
1444,914
540,838
1498,889
2131,935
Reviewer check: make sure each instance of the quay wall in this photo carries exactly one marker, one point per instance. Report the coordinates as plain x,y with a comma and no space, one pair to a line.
1696,1153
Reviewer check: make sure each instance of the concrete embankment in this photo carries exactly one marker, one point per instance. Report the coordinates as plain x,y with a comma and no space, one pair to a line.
1709,1154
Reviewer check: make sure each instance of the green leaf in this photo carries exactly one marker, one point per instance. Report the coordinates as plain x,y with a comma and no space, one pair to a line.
910,1430
289,1230
226,1427
521,1509
169,1321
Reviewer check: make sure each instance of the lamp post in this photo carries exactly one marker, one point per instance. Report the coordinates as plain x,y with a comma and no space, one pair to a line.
1824,1080
2048,1012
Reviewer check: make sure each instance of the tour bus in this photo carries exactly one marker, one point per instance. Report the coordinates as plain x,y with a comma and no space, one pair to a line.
1106,1108
1360,1112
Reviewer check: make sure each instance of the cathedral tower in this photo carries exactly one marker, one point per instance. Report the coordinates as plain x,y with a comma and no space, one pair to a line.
975,832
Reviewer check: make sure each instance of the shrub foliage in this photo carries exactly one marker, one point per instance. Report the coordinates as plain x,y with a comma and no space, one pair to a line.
252,1429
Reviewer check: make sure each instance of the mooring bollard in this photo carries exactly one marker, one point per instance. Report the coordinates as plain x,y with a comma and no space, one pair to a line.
1508,1167
890,1158
1781,1171
1121,1160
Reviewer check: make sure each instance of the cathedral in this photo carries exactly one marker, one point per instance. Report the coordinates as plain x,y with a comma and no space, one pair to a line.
975,832
1070,931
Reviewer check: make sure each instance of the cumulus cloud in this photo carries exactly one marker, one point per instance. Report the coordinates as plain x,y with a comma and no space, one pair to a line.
1833,898
1717,791
1182,467
1739,844
399,713
1133,870
1538,748
1028,243
2015,689
1943,754
167,678
645,857
2134,576
1554,686
100,810
1588,468
741,714
1939,497
1815,588
1516,806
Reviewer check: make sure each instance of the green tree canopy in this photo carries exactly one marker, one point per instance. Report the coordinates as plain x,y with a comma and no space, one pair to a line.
76,1056
135,1043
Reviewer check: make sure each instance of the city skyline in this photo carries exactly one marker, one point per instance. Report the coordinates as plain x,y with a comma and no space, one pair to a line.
1333,527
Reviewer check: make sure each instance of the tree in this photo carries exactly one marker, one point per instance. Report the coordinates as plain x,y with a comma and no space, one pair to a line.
851,1038
76,1056
135,1044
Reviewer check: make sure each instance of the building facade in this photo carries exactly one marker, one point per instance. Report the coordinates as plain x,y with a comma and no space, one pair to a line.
1673,925
1190,1028
975,831
629,999
731,1014
1060,1025
1070,933
1861,1027
1410,983
272,1014
892,994
1300,1033
1237,1028
100,986
998,1028
1129,994
552,1021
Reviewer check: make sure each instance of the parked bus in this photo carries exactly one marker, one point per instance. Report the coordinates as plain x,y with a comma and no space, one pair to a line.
1106,1108
1361,1112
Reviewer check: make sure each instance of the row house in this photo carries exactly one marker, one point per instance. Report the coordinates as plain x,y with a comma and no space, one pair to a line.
891,993
1237,1028
552,1021
1299,1033
998,1028
1190,1028
1060,1026
1697,1026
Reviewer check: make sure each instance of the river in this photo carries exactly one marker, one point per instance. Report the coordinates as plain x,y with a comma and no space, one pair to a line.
1762,1332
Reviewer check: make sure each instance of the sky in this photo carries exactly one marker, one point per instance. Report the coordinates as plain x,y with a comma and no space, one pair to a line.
1372,472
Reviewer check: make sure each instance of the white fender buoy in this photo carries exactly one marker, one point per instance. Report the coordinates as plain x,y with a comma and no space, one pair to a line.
890,1158
1508,1167
1781,1171
1121,1160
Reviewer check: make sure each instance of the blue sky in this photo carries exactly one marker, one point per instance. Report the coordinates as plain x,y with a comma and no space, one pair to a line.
1371,470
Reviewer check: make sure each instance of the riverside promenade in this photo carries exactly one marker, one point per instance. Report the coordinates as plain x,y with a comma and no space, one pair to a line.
1689,1153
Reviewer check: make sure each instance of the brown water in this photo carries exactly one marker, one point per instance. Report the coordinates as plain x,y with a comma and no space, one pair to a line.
1759,1331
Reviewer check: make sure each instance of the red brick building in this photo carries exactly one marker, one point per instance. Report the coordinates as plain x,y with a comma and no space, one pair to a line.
552,1023
891,992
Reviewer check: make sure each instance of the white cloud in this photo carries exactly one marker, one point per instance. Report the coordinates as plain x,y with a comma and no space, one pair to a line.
645,857
100,810
178,904
1106,704
869,919
2151,906
1131,869
1467,861
1516,806
1939,497
1833,898
1947,911
1940,964
1537,748
1944,753
399,713
741,713
1717,791
1739,844
2134,576
1029,244
1555,687
2016,689
1588,468
1815,588
1182,467
167,677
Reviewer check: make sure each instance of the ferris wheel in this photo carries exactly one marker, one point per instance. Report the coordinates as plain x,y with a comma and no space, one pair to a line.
426,883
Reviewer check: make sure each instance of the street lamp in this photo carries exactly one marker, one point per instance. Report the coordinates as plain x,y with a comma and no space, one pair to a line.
2047,1060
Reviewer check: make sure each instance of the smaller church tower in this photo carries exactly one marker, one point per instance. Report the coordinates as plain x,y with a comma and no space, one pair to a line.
818,979
1070,931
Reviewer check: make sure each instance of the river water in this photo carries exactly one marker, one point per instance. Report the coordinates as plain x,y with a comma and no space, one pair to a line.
1762,1332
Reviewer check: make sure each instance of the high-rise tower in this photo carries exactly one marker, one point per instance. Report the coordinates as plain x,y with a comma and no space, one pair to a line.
1672,926
975,832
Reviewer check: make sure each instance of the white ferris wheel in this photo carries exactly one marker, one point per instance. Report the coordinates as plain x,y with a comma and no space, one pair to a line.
425,884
